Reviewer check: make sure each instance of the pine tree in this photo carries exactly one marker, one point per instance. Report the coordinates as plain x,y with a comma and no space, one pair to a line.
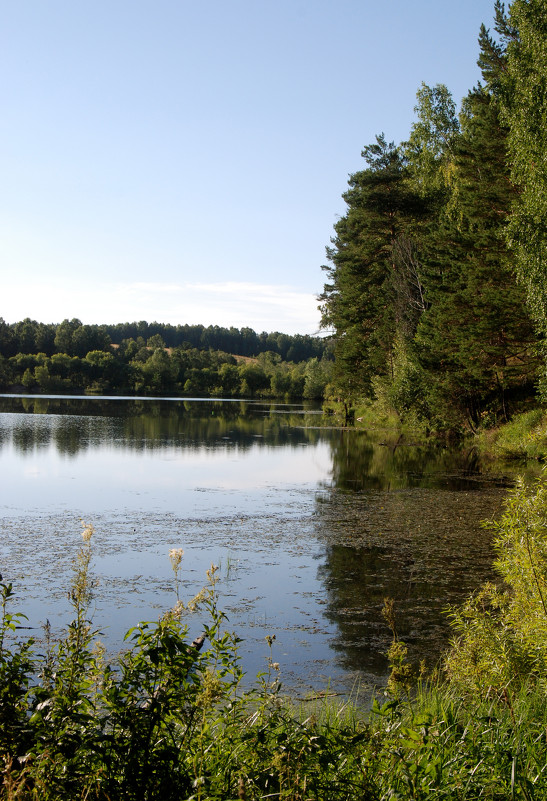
525,109
476,341
358,302
422,295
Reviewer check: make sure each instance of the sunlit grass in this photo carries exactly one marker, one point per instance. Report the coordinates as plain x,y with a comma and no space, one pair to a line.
524,437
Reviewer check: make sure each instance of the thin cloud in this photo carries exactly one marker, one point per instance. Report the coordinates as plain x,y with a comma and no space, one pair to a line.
263,307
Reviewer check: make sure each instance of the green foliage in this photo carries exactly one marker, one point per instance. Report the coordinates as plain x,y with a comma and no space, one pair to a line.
421,263
74,725
16,666
407,389
439,746
145,371
164,720
476,339
525,107
359,300
502,631
153,369
524,437
403,676
76,339
316,377
478,730
157,359
430,145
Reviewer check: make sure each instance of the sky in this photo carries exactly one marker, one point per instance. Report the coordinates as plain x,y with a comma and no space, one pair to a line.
184,162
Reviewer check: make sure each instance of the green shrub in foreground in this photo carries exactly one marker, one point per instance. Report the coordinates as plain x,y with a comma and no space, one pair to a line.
502,630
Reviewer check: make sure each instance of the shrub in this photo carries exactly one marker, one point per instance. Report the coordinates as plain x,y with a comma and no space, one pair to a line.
502,630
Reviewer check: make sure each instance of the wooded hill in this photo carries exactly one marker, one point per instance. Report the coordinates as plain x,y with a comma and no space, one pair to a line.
435,292
76,339
158,359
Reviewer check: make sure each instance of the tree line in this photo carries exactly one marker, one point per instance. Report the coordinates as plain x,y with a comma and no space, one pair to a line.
161,359
435,293
82,358
76,339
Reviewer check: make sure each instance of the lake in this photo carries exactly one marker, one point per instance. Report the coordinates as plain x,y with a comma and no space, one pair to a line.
311,526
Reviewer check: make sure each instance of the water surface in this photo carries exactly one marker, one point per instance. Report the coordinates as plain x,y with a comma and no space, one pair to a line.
312,527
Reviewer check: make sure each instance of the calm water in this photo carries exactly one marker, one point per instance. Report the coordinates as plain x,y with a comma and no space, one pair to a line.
311,527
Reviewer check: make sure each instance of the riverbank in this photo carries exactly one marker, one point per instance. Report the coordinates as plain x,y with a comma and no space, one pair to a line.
523,438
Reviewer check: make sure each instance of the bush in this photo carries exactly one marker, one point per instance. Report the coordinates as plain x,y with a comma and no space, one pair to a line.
502,631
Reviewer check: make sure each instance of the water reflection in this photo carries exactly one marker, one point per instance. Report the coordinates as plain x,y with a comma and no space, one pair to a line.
405,522
77,424
369,460
322,523
425,549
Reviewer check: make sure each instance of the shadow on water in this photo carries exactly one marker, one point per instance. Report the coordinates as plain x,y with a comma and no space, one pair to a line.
404,522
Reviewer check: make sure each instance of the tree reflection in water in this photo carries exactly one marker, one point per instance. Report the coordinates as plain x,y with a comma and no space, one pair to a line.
402,521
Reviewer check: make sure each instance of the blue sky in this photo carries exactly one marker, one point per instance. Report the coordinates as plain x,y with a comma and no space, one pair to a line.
184,161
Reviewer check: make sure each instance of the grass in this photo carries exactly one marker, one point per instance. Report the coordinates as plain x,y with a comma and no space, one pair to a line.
524,437
446,746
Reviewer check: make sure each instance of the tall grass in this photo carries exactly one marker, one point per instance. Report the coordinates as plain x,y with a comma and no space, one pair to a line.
524,437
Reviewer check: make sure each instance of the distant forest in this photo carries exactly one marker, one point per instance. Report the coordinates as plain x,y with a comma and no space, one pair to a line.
76,339
159,359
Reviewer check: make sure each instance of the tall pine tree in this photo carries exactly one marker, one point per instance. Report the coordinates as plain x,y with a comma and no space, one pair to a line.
525,109
422,290
476,341
358,301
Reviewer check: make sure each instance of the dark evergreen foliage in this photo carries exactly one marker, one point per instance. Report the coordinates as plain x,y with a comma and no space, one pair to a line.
422,295
524,98
476,340
360,299
76,339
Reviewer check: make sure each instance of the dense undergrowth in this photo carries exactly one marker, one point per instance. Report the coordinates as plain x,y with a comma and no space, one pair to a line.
170,720
524,437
